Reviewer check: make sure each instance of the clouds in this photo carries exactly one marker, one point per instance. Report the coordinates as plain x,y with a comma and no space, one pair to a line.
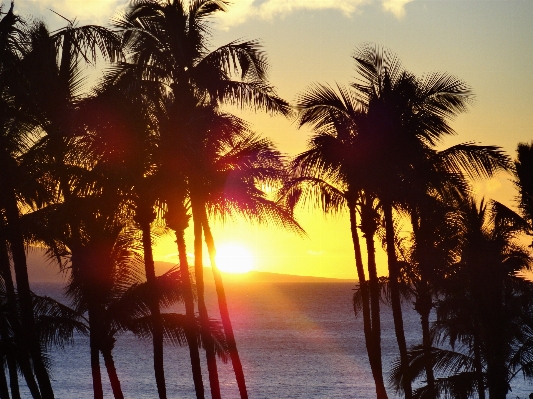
84,11
100,11
243,10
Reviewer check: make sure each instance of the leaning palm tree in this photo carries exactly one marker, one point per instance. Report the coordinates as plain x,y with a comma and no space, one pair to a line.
230,164
167,43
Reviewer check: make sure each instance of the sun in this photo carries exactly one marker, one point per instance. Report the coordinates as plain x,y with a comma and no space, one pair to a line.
234,258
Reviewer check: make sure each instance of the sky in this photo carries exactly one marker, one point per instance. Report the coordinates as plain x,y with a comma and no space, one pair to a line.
486,43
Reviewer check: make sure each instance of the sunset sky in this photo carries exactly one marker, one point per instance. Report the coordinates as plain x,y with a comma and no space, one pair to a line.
488,44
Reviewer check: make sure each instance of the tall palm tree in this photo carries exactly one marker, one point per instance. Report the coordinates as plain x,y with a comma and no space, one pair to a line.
121,119
406,117
169,43
19,188
379,139
229,164
328,171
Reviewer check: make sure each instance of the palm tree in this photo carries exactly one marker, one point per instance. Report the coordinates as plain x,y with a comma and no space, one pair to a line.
380,139
329,171
229,165
406,117
168,43
18,184
493,320
121,119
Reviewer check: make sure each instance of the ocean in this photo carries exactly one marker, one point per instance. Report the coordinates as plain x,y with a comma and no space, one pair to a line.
296,340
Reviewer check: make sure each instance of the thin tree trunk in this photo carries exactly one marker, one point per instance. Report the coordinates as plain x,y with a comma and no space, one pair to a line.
5,271
112,373
95,355
224,312
381,393
202,309
394,275
188,298
4,391
367,322
26,305
157,325
424,310
479,368
424,303
14,380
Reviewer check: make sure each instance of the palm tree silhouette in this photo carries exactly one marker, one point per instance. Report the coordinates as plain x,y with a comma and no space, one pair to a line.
377,143
168,43
328,171
485,306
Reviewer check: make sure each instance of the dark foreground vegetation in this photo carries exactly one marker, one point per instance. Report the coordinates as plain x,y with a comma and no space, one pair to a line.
94,176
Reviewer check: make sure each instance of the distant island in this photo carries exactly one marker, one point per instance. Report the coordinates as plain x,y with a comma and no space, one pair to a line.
42,270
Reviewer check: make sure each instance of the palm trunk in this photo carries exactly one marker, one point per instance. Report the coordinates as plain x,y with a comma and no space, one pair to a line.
367,321
155,312
112,373
479,368
394,276
95,354
26,306
4,391
5,271
202,309
375,310
224,312
424,304
14,380
424,310
188,298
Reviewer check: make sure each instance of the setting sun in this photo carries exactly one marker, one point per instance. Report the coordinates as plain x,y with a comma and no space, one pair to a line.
234,258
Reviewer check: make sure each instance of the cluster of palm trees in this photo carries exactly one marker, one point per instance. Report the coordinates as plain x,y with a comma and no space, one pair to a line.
375,151
93,176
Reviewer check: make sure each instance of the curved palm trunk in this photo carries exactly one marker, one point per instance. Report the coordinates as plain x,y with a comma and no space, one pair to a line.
224,312
375,362
112,373
26,306
157,325
202,309
95,354
188,298
394,275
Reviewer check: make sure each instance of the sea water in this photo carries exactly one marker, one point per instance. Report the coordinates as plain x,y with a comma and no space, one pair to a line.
296,340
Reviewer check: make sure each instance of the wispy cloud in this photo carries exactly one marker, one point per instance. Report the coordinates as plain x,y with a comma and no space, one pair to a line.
397,7
83,11
243,10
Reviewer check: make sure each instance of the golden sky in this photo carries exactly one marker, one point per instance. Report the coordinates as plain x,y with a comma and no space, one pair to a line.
487,43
